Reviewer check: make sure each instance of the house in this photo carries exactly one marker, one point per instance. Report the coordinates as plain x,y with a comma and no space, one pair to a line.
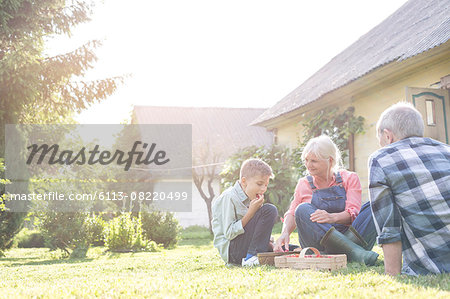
406,57
217,133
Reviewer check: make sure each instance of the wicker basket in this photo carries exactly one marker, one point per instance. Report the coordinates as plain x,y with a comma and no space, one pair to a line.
267,258
311,262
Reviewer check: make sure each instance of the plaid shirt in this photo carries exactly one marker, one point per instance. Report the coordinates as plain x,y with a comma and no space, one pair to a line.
409,183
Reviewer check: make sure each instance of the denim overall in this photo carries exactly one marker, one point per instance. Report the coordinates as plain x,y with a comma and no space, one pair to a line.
330,199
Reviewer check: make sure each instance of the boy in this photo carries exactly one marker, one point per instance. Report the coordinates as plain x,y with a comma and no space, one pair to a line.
241,223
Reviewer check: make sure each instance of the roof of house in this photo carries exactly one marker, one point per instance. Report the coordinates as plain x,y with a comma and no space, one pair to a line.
416,27
224,129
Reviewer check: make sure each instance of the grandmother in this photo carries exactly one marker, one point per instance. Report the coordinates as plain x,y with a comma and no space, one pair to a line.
326,208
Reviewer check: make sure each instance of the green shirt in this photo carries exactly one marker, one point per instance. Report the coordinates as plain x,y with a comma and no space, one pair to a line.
227,212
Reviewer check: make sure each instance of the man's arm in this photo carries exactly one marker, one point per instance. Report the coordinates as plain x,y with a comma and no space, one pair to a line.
386,218
392,258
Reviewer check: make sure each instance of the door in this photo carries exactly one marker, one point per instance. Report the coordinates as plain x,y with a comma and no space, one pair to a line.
435,108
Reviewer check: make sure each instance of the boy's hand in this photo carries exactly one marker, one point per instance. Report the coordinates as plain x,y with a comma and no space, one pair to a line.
256,203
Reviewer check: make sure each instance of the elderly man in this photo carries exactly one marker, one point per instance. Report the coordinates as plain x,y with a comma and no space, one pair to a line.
409,182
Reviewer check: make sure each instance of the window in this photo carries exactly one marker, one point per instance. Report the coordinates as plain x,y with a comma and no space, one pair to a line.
431,114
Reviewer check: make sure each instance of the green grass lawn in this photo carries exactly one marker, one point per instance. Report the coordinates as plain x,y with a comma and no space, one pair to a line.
194,269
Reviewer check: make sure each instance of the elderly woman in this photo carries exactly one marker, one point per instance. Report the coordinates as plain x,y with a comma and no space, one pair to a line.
326,203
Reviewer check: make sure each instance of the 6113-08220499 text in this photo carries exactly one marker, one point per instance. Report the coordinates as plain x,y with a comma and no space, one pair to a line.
102,195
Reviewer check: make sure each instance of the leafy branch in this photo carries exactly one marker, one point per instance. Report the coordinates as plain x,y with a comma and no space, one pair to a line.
338,125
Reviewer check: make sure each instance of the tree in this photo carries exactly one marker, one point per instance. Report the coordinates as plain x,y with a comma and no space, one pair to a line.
205,171
39,89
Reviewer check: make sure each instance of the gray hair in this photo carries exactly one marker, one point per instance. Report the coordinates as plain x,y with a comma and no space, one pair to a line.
402,119
323,147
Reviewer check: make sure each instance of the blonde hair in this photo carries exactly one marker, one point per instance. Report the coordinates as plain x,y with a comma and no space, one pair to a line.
254,167
324,148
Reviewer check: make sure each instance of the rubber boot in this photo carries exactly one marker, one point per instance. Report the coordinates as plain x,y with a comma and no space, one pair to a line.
335,242
355,237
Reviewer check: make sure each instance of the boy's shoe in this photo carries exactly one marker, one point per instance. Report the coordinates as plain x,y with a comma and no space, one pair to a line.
253,261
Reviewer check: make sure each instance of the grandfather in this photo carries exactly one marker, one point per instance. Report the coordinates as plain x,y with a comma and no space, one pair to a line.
409,182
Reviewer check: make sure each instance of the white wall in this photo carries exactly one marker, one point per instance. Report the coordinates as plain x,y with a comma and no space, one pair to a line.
199,214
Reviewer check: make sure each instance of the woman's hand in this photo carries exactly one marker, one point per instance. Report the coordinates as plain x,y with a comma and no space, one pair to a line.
282,240
288,228
322,216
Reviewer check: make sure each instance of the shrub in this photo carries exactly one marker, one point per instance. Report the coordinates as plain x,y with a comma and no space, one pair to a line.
161,227
124,233
29,239
65,231
71,231
95,226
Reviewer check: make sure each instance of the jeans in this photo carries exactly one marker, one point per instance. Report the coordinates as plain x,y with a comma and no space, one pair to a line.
310,233
364,225
256,237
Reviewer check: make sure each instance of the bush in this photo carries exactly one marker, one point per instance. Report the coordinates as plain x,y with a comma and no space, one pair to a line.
65,231
124,234
29,239
95,226
161,227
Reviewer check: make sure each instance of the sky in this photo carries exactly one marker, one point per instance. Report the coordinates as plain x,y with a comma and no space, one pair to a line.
210,53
